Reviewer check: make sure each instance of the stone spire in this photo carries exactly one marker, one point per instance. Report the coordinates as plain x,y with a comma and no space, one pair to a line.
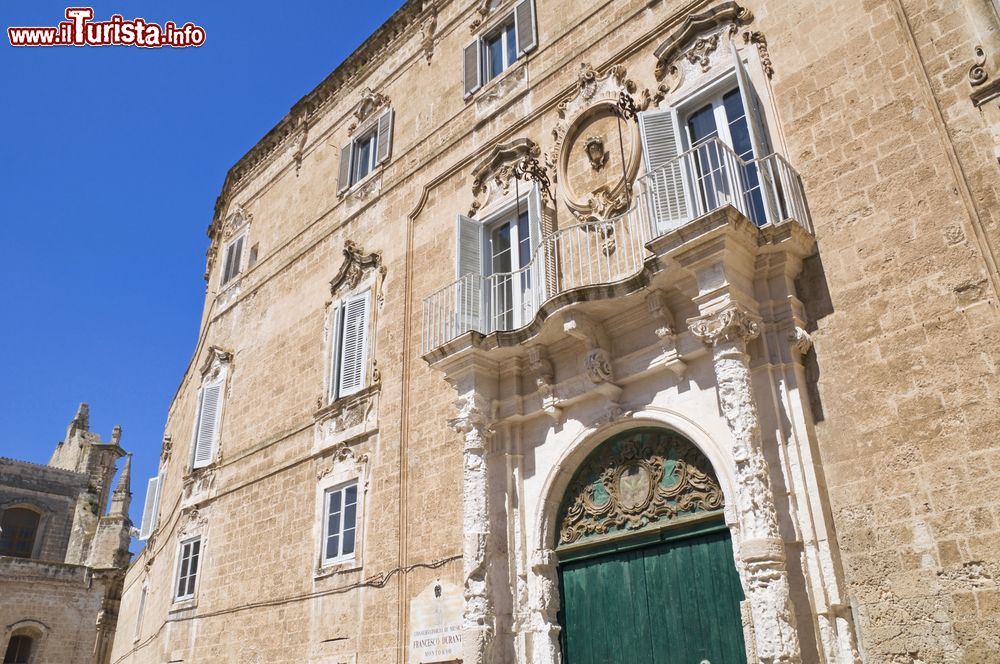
122,496
81,421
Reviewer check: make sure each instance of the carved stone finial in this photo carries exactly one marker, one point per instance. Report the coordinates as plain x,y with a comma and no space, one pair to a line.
734,323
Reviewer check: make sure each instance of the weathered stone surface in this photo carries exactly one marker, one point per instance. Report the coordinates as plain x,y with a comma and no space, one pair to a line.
878,442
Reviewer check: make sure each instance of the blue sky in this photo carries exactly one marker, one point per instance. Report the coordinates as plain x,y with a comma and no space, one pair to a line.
110,163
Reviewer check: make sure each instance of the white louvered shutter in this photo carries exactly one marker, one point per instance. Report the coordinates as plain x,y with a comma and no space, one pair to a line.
473,67
469,272
759,139
384,140
344,178
524,26
336,335
536,294
668,200
354,347
208,425
149,508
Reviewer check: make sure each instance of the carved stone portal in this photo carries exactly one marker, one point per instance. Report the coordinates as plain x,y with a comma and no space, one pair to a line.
635,481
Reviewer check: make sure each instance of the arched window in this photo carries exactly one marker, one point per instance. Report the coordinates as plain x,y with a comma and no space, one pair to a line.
18,529
20,645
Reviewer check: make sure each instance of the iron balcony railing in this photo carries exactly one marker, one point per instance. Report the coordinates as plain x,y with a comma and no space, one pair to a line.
707,177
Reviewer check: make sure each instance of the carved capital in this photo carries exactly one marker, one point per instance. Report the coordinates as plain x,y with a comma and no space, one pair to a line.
474,420
734,323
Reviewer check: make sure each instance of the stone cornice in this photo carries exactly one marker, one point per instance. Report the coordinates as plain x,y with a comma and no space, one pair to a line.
349,71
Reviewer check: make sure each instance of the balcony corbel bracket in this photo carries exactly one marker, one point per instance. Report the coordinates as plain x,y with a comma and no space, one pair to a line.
541,368
666,331
597,360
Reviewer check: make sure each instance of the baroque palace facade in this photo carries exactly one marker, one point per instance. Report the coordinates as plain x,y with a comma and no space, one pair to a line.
600,331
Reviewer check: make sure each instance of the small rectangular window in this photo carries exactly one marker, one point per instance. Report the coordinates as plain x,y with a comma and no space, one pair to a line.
340,523
498,48
187,569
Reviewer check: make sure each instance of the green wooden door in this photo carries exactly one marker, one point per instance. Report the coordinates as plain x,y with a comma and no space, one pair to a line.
671,601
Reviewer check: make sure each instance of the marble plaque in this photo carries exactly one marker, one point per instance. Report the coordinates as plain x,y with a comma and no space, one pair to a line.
436,624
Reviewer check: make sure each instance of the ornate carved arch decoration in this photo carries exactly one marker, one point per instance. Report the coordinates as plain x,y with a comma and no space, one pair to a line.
492,178
354,268
216,361
368,106
193,521
694,29
483,10
635,481
594,99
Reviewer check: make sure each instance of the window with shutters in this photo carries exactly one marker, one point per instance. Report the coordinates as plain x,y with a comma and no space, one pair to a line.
368,149
188,559
206,428
702,153
151,506
232,264
340,523
348,360
498,47
501,284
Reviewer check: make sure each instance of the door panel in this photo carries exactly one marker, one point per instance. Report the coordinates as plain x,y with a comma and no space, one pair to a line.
671,602
605,612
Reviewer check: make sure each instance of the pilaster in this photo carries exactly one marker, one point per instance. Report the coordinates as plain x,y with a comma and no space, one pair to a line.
479,624
765,576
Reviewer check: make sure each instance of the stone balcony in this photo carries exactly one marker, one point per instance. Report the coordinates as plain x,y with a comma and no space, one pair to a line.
694,236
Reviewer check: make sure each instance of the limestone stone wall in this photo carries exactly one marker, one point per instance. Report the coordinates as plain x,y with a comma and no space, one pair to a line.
52,490
66,599
869,102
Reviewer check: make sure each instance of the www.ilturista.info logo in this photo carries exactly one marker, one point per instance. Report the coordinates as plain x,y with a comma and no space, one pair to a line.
81,30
